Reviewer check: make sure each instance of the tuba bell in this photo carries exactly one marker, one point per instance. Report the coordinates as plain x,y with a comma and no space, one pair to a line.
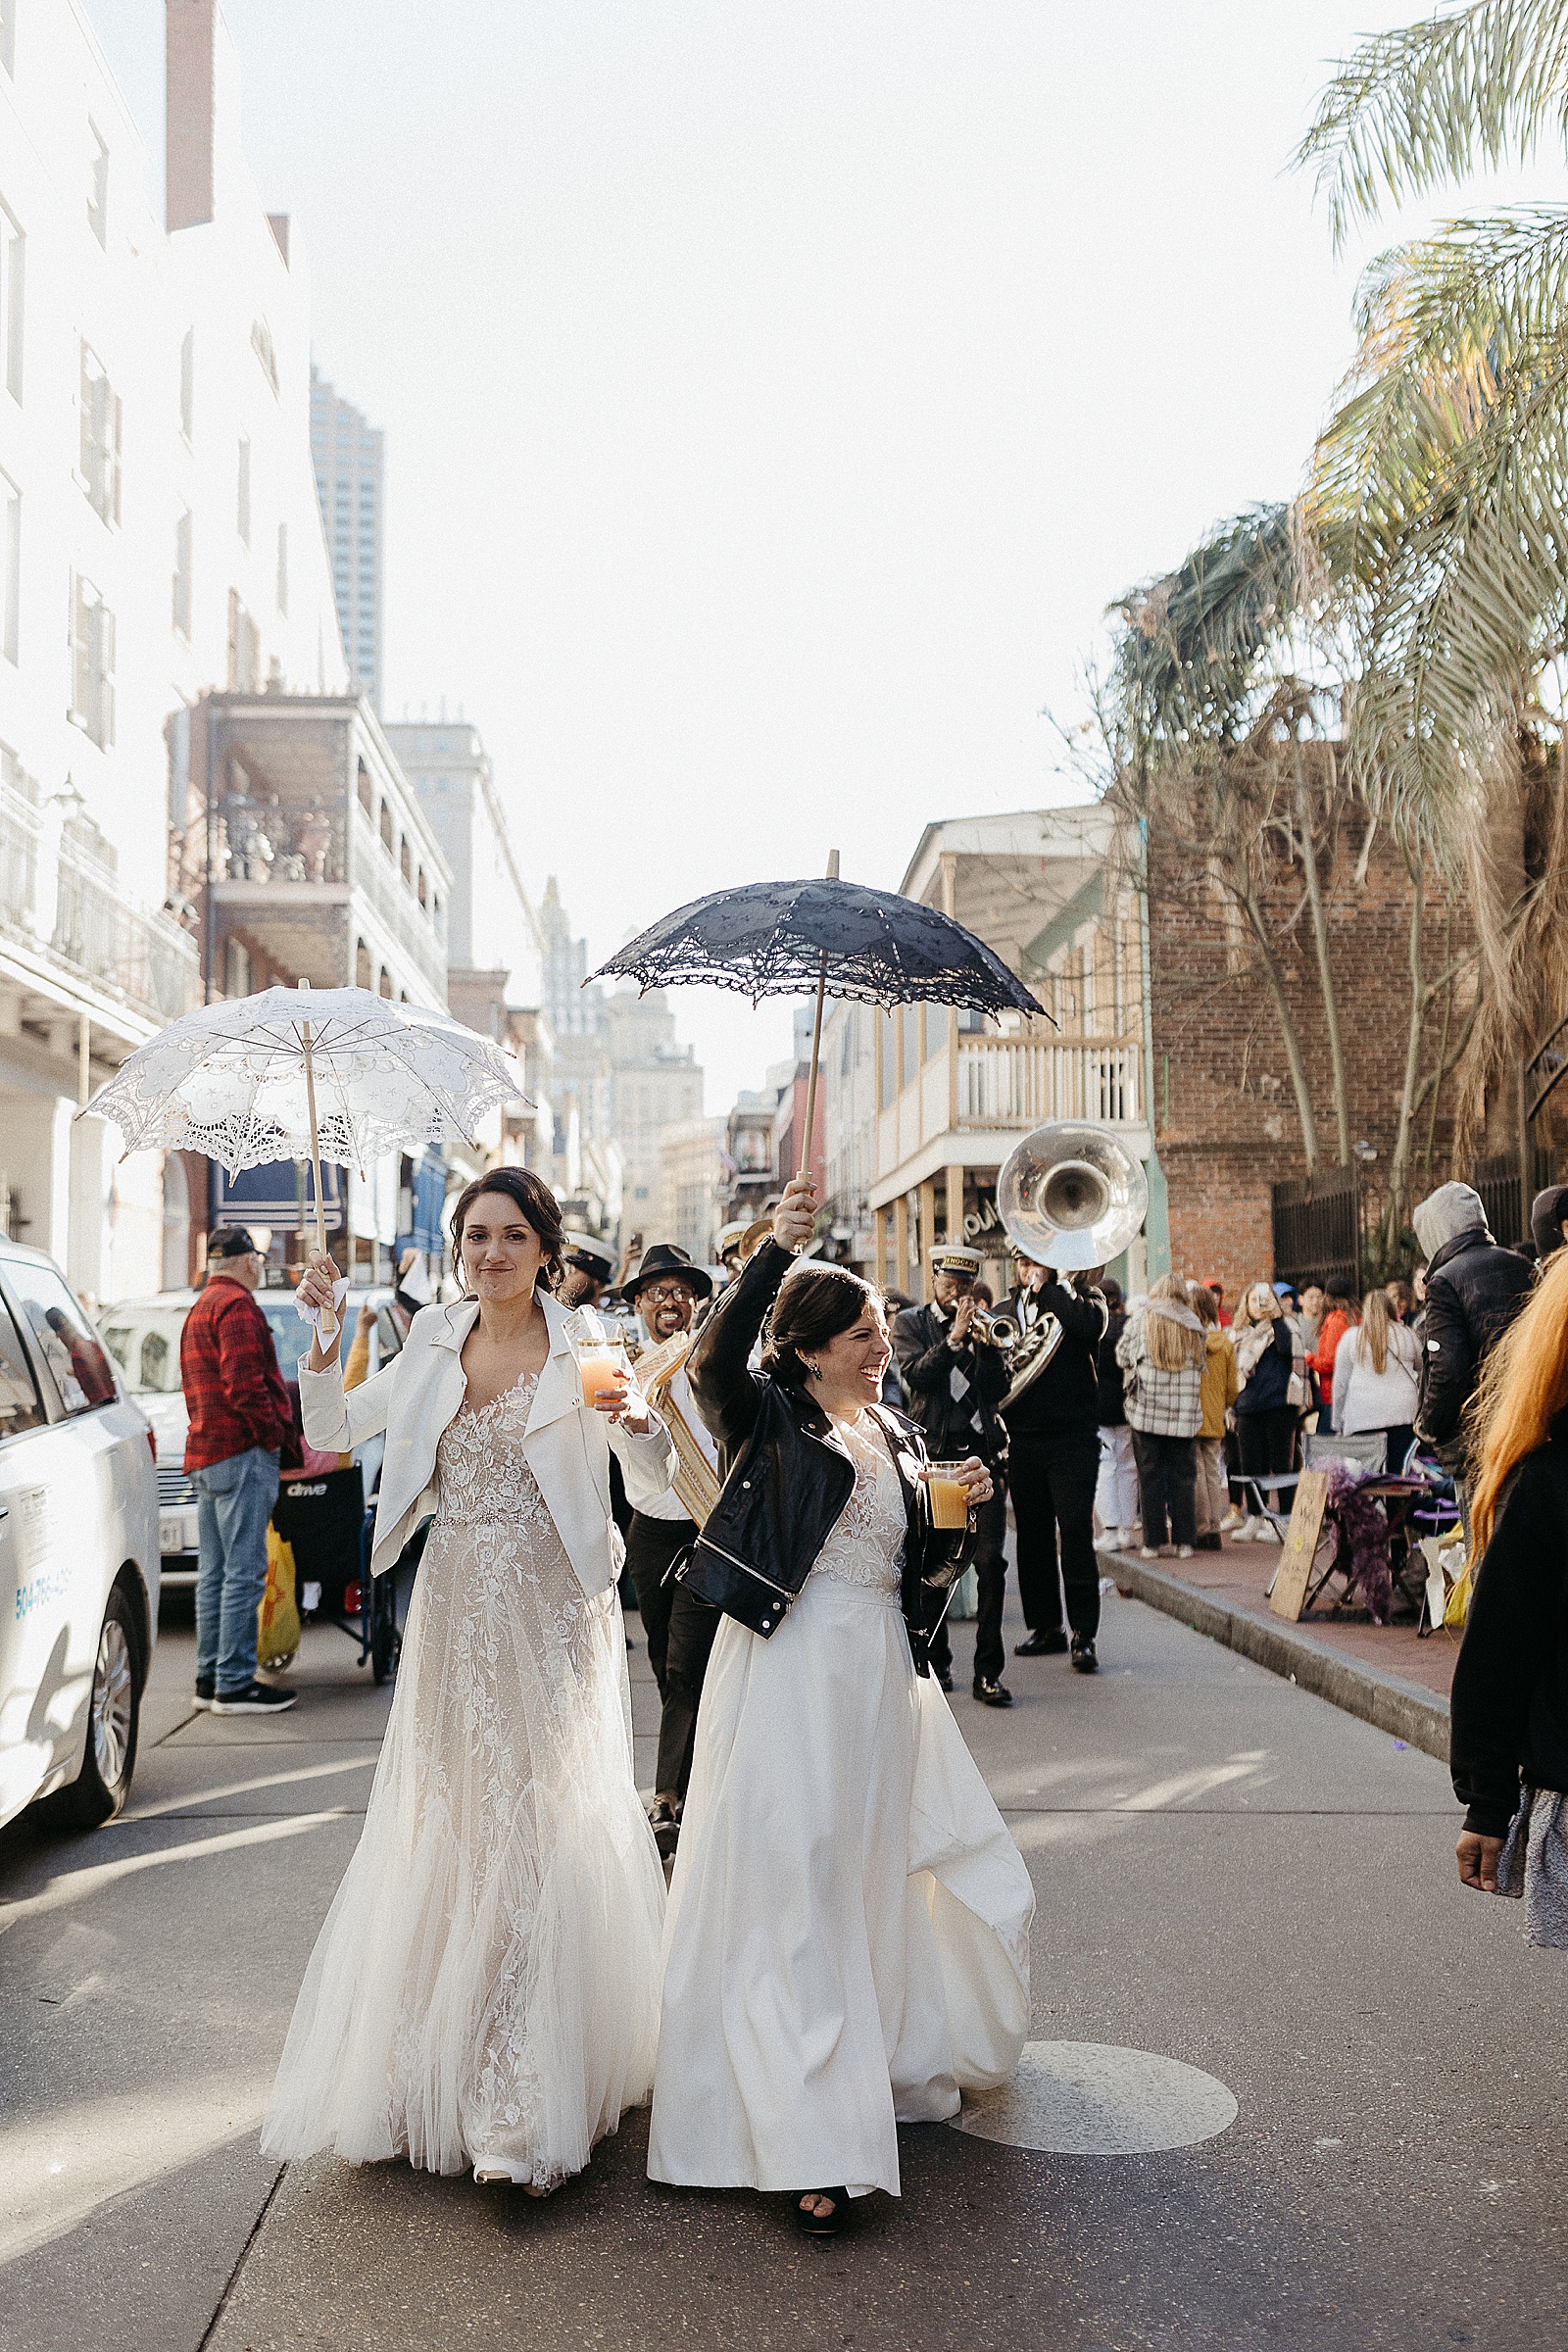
1069,1197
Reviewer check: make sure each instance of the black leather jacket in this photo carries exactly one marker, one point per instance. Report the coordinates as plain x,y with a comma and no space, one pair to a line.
788,1476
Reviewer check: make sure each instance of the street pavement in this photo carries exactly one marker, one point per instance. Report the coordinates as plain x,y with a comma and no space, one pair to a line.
1230,1873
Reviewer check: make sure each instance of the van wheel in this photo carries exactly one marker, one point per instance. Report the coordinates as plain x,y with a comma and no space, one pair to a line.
101,1787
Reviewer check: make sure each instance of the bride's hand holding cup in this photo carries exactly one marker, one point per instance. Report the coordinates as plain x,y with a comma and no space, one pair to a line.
621,1401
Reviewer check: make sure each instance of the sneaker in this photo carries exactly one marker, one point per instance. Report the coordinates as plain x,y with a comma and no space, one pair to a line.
1147,1551
257,1698
1126,1538
1184,1552
1110,1540
1233,1522
204,1692
1265,1532
1084,1661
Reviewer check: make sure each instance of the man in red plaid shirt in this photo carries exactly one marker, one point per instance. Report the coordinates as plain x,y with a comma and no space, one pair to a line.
239,1416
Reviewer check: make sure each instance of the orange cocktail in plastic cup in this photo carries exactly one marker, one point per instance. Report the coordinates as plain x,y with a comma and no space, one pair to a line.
601,1369
949,1502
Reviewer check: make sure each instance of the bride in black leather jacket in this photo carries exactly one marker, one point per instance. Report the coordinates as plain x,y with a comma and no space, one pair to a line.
841,1860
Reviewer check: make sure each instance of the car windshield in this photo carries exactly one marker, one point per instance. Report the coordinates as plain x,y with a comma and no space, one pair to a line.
146,1347
291,1334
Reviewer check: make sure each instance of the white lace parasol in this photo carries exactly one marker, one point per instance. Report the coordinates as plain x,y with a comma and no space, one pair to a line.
235,1081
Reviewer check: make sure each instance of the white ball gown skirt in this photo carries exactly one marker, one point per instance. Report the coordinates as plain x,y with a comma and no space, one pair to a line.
848,1940
484,1990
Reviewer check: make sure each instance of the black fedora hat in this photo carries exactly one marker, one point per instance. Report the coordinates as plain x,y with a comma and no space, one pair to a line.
669,1258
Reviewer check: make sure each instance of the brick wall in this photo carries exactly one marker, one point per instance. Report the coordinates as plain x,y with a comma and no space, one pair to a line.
1226,1124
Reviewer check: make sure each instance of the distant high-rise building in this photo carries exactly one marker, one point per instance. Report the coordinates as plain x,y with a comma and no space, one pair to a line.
349,454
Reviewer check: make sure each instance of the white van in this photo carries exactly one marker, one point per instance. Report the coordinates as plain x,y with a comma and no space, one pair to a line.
79,1553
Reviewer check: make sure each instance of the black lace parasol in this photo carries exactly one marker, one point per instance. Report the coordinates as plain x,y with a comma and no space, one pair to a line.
828,938
786,939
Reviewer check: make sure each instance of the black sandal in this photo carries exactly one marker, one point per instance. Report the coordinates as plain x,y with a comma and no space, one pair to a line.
823,2225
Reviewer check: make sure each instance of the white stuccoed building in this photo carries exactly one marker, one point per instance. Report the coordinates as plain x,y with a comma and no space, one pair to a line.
159,536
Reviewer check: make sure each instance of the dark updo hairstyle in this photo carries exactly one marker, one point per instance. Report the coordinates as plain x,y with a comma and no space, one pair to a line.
814,1306
538,1205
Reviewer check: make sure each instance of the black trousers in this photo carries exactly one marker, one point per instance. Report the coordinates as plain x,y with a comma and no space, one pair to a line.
1053,1477
1168,1469
990,1565
680,1631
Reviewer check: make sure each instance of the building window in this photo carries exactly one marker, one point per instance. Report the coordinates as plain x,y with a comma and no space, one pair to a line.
283,567
361,964
423,890
10,569
365,801
242,500
244,647
101,418
92,663
386,982
13,254
98,184
187,386
405,860
386,828
183,583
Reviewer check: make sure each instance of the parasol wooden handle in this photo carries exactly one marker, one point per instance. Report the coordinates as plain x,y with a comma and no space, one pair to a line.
329,1324
805,1169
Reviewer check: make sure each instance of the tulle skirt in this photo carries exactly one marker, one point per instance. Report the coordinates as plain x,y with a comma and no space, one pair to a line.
484,1990
848,1940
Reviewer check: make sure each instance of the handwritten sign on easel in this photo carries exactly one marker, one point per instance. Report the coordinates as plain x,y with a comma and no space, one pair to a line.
1300,1545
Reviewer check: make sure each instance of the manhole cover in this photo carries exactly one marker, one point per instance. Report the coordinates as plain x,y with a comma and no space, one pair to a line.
1087,2098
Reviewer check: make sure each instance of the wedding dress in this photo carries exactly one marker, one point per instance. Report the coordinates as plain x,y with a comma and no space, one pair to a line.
484,1990
848,1940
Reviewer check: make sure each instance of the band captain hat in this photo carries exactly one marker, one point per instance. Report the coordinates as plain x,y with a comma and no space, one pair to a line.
952,1258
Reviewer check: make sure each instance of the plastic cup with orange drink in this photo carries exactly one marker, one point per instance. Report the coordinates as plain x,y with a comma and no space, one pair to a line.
950,1497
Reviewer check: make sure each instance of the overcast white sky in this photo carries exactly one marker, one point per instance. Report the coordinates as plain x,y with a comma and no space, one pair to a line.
776,391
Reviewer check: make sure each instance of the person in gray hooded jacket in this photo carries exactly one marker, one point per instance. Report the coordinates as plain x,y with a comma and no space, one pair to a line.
1474,1291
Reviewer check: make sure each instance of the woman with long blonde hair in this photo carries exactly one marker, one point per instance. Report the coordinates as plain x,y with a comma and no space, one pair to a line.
1509,1747
1377,1370
1162,1353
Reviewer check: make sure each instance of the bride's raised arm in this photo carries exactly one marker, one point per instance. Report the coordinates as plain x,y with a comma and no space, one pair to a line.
335,1422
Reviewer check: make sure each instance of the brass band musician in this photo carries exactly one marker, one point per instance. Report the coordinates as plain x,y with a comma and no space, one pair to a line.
665,1292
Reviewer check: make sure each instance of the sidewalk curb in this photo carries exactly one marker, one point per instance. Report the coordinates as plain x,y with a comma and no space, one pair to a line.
1383,1699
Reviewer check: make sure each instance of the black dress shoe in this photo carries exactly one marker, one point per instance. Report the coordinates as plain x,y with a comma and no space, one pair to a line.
662,1820
943,1675
1084,1661
1041,1645
992,1694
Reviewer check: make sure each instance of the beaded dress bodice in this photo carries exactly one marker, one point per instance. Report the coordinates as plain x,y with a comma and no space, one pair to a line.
866,1546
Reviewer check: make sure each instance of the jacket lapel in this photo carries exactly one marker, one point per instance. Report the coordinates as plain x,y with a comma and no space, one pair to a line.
560,1388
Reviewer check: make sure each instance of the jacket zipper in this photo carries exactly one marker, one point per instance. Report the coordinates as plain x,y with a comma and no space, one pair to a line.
707,1543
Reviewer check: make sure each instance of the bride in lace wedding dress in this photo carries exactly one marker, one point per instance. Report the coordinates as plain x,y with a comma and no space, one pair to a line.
848,1940
484,1990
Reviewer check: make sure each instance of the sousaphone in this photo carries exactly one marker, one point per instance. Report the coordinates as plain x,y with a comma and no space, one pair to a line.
1069,1197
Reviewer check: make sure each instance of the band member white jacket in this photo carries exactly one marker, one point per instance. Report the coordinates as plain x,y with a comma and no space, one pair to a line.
567,1443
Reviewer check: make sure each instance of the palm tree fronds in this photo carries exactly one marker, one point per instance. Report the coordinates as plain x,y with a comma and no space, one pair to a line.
1434,101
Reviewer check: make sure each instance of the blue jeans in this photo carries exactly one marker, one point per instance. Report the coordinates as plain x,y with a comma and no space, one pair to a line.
233,1502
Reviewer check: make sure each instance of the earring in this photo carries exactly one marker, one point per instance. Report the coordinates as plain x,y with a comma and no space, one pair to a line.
814,1371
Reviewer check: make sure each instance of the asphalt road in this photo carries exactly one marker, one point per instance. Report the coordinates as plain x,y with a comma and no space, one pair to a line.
1230,1874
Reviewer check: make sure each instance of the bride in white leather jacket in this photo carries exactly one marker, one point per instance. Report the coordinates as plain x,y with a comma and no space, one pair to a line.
484,1991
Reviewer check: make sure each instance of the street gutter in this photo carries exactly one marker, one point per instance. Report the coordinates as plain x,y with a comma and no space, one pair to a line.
1386,1700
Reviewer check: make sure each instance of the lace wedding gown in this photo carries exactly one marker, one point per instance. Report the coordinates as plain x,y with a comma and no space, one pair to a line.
484,1990
848,1940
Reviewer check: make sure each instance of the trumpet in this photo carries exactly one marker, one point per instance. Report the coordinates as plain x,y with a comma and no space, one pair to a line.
996,1331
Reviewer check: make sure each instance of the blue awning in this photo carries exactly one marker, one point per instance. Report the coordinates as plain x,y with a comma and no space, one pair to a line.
271,1195
430,1197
